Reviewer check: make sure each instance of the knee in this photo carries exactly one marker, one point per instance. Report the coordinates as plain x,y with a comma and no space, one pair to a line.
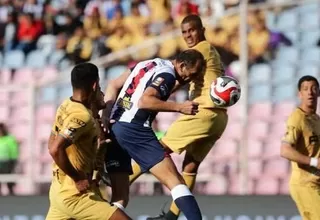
190,165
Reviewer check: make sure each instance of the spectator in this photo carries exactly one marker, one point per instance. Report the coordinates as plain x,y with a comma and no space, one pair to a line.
113,8
183,6
8,155
138,39
79,47
33,7
184,10
10,32
258,40
135,20
159,13
95,25
120,40
116,21
169,47
143,8
28,32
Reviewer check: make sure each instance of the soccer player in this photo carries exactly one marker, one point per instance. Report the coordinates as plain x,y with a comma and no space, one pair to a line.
144,92
73,147
300,145
195,134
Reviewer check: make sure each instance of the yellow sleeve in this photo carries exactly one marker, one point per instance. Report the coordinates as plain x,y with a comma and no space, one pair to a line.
74,126
293,130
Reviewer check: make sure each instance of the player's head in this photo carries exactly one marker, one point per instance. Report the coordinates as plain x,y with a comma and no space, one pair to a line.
308,87
85,78
189,64
192,30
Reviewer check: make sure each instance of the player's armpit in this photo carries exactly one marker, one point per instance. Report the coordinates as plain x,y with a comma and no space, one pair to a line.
289,152
57,150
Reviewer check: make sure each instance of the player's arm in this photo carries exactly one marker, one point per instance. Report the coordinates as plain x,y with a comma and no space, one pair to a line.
57,150
69,133
158,91
289,143
112,92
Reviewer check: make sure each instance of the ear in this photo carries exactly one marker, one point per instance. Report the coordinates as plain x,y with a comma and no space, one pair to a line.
299,94
94,86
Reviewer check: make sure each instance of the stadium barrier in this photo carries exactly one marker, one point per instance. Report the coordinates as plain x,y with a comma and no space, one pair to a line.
213,207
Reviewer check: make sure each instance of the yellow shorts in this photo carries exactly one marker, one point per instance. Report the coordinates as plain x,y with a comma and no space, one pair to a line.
196,133
307,200
67,203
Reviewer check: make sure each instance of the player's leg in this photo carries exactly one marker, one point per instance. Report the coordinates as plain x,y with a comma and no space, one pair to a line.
90,206
120,189
118,165
303,200
197,145
189,174
55,214
166,172
136,172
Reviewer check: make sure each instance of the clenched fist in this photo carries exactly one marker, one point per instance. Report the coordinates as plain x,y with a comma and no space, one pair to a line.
189,108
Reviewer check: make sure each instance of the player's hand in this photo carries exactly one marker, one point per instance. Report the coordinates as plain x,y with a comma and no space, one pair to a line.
189,108
82,185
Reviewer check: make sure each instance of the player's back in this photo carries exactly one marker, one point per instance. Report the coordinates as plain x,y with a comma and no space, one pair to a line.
200,87
75,122
306,130
142,75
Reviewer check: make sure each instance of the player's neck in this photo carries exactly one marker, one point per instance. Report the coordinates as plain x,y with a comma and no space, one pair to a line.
308,110
80,97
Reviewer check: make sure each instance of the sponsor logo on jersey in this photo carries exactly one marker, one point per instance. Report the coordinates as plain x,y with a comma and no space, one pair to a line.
124,104
78,122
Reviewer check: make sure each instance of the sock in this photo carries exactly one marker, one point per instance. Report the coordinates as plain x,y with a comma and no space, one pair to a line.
136,173
186,202
119,205
190,180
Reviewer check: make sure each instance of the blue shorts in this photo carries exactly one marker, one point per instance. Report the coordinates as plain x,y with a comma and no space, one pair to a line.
131,141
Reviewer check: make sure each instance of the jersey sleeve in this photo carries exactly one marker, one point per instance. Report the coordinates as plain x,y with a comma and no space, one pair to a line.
293,130
163,83
74,126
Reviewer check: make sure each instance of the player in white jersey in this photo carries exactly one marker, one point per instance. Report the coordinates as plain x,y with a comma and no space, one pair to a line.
144,93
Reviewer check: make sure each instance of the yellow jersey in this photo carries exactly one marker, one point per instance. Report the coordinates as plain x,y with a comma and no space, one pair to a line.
75,122
303,133
199,90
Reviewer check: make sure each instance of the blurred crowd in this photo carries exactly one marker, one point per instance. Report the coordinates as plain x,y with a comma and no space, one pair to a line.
86,29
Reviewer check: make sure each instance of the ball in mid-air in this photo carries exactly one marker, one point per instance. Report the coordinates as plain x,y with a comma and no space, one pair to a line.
225,91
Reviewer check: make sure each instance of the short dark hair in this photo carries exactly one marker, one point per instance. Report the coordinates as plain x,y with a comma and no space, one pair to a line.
193,18
190,58
307,78
84,75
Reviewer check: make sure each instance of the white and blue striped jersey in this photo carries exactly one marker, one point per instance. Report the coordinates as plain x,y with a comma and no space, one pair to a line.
157,73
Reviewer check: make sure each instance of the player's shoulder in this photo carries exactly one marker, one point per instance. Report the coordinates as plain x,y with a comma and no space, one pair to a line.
164,66
75,110
203,46
296,117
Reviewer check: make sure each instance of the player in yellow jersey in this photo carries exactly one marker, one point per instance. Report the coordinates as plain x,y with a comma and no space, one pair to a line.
73,145
301,145
195,134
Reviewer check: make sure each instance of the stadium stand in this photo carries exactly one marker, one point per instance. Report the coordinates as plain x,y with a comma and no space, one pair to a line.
40,40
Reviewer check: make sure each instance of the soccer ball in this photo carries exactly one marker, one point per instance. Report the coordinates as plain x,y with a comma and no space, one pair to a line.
225,91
